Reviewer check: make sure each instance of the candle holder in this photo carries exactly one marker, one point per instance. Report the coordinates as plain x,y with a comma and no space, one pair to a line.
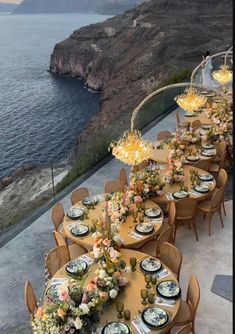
144,296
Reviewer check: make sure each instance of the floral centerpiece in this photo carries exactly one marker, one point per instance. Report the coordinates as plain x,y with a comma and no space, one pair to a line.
148,183
76,310
175,172
191,137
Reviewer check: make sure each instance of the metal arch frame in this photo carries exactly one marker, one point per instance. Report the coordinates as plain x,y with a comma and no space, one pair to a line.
182,84
226,53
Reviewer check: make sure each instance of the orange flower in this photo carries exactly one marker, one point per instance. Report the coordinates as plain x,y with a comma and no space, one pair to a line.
60,312
90,287
103,295
40,312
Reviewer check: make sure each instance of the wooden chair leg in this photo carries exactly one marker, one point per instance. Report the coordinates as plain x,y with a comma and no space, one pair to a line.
193,327
221,217
209,222
174,234
224,208
189,226
195,228
204,216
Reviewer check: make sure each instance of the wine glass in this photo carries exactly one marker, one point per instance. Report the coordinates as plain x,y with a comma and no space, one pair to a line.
135,216
147,278
153,279
133,263
144,296
151,298
141,219
120,308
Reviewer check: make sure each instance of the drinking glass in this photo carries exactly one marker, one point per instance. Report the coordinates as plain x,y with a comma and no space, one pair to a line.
120,308
144,296
135,216
141,219
153,279
151,298
133,263
127,314
147,280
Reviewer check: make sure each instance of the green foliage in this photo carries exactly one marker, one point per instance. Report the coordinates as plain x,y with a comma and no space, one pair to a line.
181,76
96,150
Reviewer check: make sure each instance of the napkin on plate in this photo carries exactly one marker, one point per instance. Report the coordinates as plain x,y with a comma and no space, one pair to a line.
154,221
140,326
59,280
135,235
100,198
195,193
164,302
70,226
169,196
87,259
163,273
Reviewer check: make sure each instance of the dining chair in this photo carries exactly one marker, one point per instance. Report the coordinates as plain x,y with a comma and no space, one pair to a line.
209,207
196,124
171,257
221,183
78,195
185,213
113,186
140,166
152,247
123,178
56,258
187,311
30,298
216,166
171,219
75,250
163,135
184,330
220,148
57,216
203,164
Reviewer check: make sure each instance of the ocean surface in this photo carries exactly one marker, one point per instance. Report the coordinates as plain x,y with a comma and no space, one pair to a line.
41,115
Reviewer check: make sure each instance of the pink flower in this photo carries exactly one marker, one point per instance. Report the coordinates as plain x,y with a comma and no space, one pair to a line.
106,242
84,298
137,199
113,253
64,293
90,287
122,281
133,207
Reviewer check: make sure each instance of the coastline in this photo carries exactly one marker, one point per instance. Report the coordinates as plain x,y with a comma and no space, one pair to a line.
27,193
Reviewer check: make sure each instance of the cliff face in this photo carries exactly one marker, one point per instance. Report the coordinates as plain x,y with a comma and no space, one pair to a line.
127,55
63,6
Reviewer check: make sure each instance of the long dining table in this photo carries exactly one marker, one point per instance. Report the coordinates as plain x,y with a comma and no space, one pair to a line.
130,296
127,231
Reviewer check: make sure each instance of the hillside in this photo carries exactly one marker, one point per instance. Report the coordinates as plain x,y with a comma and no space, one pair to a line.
59,6
125,62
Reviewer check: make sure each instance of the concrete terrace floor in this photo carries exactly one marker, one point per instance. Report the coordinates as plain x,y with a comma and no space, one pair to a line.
22,259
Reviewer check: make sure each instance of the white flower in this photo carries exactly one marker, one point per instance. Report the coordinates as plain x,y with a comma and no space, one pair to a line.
113,293
77,323
84,308
102,273
118,239
128,269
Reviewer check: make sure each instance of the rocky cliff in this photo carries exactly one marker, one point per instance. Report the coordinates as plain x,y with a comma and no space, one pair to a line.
126,56
63,6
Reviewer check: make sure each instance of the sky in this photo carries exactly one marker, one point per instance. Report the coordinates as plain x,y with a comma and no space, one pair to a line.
11,1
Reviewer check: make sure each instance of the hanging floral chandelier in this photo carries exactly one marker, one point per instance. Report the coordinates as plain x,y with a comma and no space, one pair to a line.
131,148
223,75
191,101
